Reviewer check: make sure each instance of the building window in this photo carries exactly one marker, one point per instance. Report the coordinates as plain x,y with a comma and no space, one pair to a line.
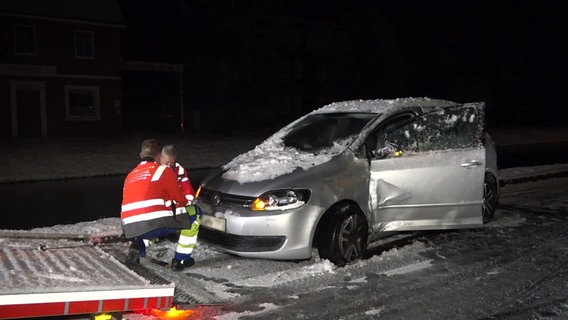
24,39
84,44
82,103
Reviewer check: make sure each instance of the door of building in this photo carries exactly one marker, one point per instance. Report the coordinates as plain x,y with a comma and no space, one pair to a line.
29,113
28,109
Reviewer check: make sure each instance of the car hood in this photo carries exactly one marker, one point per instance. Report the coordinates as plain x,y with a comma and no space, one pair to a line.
272,158
298,178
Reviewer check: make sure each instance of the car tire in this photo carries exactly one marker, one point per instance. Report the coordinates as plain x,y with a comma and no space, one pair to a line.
490,197
343,238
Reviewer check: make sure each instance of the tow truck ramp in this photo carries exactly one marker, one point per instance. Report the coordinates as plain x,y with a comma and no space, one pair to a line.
66,274
190,294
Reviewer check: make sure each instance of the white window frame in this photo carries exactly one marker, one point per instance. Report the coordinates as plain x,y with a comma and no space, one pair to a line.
80,55
95,94
25,53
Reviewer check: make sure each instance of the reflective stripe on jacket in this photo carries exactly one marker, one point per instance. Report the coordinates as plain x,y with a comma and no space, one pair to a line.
184,183
148,189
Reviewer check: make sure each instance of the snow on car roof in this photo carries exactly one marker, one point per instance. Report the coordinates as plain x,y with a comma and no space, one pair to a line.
382,105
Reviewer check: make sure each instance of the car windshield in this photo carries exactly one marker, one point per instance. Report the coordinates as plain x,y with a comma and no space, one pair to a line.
321,130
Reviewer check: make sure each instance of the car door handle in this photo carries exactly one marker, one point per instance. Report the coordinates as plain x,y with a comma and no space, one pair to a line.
471,164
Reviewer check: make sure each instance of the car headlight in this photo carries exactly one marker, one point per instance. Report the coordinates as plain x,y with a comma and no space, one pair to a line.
281,200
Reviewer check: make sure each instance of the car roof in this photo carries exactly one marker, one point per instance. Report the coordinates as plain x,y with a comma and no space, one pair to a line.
383,105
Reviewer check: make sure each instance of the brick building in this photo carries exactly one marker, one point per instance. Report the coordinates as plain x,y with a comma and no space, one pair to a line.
60,68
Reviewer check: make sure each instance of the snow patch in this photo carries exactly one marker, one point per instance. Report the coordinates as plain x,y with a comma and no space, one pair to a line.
280,277
374,312
409,268
266,307
504,218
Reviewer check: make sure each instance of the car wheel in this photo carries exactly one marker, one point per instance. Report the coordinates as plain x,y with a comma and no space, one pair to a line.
343,238
489,197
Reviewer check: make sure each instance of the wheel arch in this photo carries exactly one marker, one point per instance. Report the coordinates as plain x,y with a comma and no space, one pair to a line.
339,206
495,176
494,203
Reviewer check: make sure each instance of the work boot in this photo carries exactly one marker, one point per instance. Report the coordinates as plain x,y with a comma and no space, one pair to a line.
182,264
133,256
136,250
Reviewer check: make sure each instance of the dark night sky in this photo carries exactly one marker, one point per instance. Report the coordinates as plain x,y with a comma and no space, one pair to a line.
507,53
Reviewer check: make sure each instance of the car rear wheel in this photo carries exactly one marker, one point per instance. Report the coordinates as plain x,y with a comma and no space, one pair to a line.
489,197
343,238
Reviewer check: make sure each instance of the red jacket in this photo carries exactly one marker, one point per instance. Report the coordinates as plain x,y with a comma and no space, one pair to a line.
184,183
147,196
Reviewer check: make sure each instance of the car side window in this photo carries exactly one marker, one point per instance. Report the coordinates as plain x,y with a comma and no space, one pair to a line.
376,145
441,129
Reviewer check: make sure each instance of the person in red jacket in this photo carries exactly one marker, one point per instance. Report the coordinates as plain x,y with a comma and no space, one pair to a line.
169,158
188,237
148,193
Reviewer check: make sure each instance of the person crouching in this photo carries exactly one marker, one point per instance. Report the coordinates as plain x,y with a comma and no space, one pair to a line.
149,191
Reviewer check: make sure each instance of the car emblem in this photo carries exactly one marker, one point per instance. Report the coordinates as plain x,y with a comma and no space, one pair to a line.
216,199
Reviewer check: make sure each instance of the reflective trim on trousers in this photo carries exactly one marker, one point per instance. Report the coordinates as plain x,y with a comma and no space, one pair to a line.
184,250
188,239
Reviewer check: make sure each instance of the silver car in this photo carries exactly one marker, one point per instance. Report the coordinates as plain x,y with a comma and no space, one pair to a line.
350,173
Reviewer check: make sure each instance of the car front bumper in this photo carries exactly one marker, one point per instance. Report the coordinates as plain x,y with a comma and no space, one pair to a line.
282,235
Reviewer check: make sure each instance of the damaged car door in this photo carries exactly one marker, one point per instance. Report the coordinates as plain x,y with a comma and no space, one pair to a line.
427,170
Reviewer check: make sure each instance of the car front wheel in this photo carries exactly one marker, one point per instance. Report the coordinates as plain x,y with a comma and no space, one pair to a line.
490,195
343,238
